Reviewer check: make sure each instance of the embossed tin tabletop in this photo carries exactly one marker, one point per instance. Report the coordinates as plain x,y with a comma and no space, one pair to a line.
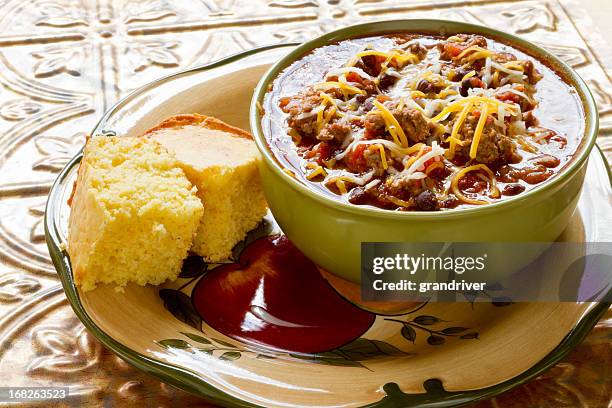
64,63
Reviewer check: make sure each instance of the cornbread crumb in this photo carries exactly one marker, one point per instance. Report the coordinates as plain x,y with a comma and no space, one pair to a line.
221,161
134,214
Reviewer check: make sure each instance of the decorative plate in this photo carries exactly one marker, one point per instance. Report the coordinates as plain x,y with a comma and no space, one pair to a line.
264,329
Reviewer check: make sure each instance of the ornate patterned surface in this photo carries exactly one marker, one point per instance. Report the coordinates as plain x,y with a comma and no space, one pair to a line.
63,62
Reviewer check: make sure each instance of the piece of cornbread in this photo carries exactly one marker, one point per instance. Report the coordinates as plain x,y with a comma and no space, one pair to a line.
133,214
221,161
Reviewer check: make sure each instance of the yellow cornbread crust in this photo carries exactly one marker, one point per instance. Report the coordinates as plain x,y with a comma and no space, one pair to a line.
133,214
204,121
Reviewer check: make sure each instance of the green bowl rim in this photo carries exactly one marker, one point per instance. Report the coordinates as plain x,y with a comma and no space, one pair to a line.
436,25
190,382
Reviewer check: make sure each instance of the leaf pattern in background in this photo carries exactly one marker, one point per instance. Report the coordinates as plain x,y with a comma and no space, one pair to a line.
15,286
63,352
530,18
56,151
573,56
219,7
19,109
148,10
54,14
293,3
56,60
37,231
148,53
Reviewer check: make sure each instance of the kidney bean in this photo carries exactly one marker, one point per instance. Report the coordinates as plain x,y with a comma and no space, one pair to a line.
536,177
357,196
506,174
469,83
546,160
387,81
425,86
426,201
513,189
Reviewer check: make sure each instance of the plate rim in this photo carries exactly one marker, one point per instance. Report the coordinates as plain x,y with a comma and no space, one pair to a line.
179,377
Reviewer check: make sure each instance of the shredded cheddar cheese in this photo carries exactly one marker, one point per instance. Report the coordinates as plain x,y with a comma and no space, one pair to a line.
433,166
392,125
383,157
484,113
340,85
402,58
399,202
341,186
461,173
331,101
317,172
460,104
453,139
446,92
475,52
468,75
514,65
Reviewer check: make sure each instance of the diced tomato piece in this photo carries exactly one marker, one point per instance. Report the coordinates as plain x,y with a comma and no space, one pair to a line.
353,77
423,151
354,160
284,101
509,96
453,49
321,151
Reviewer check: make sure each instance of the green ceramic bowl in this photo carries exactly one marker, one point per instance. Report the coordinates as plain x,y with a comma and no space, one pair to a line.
331,232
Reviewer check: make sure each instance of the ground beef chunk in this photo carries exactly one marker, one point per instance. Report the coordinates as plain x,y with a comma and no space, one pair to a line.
530,119
449,50
418,50
494,146
358,81
529,69
428,87
372,64
412,122
336,131
503,57
374,123
373,160
400,186
299,108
